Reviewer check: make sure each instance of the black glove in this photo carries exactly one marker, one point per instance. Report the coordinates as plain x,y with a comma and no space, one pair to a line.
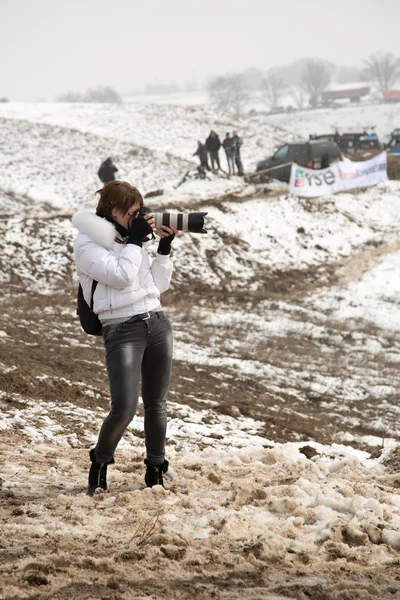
164,245
139,229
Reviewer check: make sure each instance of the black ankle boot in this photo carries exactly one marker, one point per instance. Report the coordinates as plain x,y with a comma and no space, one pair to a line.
97,474
154,473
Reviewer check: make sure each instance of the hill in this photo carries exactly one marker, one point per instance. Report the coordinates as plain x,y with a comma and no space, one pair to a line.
283,408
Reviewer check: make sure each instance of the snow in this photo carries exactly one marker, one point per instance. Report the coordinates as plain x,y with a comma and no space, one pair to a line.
322,494
235,500
372,298
170,132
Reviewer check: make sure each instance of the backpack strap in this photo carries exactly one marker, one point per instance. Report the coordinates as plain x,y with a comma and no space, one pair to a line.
94,286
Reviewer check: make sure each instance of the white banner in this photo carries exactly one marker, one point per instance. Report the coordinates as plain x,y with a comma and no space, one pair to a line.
311,182
340,176
365,173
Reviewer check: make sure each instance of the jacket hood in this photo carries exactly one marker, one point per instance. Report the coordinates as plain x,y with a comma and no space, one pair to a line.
99,230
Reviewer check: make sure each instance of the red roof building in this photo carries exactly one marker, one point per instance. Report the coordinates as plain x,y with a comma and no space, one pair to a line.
392,96
352,94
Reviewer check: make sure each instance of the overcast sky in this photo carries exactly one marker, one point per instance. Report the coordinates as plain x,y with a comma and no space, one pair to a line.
52,46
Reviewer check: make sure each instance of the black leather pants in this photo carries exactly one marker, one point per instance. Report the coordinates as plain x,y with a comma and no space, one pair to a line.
137,350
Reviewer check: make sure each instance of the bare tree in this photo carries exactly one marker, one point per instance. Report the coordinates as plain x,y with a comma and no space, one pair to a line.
240,94
315,78
274,88
103,93
218,88
299,97
70,97
382,70
229,93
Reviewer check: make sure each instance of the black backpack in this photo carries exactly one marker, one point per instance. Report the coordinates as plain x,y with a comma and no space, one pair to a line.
90,322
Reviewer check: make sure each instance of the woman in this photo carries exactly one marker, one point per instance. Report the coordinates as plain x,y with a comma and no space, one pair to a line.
137,335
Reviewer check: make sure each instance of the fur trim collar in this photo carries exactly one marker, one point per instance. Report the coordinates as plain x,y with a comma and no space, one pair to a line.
99,230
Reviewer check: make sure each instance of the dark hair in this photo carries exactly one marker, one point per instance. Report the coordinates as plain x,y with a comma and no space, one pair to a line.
117,195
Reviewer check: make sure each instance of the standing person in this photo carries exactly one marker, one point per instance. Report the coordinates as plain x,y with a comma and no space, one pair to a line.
137,334
107,171
201,152
237,144
213,145
230,153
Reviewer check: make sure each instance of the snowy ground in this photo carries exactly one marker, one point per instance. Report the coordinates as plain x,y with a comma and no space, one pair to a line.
241,517
283,418
166,131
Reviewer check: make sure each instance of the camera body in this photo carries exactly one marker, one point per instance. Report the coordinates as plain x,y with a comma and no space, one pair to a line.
189,222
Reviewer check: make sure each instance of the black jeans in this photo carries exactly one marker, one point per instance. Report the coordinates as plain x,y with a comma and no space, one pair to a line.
134,350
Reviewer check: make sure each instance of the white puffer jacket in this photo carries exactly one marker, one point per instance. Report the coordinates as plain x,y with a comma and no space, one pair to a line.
129,283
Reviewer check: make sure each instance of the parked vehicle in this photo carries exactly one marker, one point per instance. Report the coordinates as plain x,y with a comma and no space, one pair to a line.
313,154
352,141
392,144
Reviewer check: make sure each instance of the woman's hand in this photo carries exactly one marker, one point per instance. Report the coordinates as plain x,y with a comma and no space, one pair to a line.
139,228
149,217
166,235
166,231
151,220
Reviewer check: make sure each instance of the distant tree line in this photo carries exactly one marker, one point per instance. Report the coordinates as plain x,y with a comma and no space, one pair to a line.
108,94
304,81
98,94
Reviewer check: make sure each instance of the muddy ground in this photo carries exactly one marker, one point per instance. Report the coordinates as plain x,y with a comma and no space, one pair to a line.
45,339
46,358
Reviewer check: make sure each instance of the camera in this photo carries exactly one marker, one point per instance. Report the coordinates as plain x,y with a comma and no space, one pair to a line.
192,222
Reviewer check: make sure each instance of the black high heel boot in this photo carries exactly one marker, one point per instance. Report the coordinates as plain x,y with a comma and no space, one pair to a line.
97,474
154,473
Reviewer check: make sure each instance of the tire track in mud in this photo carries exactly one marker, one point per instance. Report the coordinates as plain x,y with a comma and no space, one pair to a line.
252,395
354,267
335,274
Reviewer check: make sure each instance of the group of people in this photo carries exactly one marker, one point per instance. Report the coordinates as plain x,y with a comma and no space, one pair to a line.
210,149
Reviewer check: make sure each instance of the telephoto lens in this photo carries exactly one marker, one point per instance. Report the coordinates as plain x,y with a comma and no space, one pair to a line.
193,222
